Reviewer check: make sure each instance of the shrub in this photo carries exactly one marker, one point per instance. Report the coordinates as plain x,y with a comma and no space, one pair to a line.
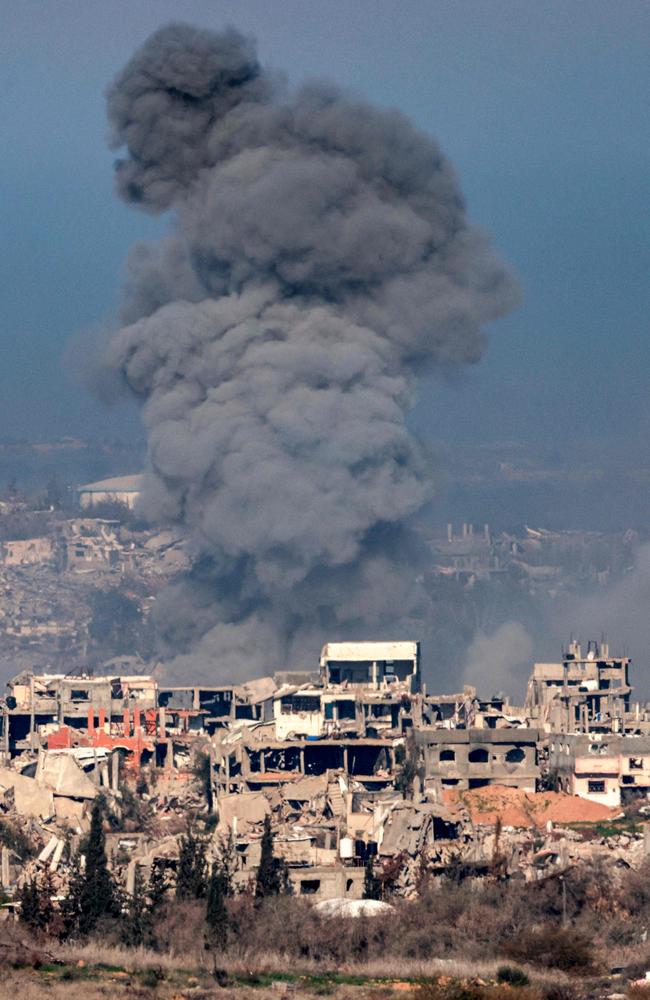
179,926
557,991
512,975
552,947
192,873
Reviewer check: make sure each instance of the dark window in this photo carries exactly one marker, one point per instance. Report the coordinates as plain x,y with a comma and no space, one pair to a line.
292,704
478,756
598,787
309,886
447,755
515,756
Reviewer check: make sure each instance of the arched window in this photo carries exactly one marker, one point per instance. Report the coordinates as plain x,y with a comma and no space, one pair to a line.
446,755
478,756
515,756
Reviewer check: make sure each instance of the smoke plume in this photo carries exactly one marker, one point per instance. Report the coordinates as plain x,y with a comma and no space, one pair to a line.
500,661
320,261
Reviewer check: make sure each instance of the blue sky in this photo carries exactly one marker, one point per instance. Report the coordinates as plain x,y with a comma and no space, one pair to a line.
542,107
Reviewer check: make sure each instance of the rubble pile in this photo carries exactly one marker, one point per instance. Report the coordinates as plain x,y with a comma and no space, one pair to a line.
355,765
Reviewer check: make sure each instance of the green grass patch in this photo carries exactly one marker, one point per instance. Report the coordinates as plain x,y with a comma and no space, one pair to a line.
319,983
607,828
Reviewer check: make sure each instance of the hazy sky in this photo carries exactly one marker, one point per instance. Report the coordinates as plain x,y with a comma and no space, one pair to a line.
542,107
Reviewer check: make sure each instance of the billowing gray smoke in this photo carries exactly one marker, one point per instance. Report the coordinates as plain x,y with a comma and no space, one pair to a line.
320,261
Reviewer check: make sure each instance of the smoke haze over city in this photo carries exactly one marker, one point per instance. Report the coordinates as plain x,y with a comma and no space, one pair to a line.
539,113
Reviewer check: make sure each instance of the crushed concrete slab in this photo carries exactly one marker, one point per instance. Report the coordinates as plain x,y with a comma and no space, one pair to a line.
59,771
242,810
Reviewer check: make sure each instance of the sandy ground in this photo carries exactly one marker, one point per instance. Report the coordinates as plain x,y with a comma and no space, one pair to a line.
527,809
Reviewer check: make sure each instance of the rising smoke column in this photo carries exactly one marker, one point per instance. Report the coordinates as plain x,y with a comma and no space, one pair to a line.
320,261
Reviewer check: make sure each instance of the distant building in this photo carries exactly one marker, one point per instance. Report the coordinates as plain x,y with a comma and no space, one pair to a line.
119,489
90,545
27,552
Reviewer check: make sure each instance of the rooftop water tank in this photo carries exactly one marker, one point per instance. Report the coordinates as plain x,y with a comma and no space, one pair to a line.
346,848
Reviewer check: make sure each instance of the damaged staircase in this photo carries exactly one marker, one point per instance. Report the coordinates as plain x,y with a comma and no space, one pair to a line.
336,799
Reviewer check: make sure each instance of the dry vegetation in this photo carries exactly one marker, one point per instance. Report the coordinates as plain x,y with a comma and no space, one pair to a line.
463,939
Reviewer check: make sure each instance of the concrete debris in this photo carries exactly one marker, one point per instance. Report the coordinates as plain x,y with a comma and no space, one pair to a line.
354,765
58,770
30,798
239,812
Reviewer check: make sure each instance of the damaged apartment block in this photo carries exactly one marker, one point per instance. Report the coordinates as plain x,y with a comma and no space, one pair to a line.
351,760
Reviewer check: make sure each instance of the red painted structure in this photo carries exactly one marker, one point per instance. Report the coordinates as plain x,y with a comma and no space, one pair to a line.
133,737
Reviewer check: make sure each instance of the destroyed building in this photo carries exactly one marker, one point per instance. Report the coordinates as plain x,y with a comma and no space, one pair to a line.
324,754
372,665
88,545
27,552
583,692
477,757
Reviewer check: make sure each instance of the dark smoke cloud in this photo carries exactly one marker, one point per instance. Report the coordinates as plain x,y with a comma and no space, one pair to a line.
320,261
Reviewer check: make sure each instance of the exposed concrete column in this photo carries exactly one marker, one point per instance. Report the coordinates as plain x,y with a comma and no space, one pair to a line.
262,762
115,770
345,760
4,879
302,760
49,849
56,857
